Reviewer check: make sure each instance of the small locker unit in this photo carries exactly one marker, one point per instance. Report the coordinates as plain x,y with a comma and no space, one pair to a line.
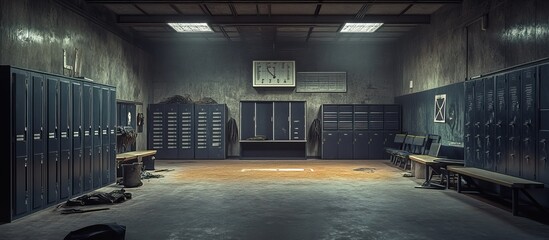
171,130
358,131
505,122
187,131
272,129
210,121
56,150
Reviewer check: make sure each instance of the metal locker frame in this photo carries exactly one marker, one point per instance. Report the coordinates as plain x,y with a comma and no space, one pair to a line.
155,129
105,137
202,128
479,128
112,134
217,137
171,131
264,119
38,140
77,139
247,120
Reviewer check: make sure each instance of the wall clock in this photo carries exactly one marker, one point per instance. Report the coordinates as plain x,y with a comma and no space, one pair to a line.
274,73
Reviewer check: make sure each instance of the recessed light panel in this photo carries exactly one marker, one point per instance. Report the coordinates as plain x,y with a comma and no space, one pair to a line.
360,27
190,27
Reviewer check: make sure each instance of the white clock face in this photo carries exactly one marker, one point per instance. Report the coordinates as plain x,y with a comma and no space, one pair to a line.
274,73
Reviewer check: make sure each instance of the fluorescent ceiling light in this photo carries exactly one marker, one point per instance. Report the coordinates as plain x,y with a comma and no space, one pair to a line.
360,27
190,27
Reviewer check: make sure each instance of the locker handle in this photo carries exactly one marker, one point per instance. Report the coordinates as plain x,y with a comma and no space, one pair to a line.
528,123
498,124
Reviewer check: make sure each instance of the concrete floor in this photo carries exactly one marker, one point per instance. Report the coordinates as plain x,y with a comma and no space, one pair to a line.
217,200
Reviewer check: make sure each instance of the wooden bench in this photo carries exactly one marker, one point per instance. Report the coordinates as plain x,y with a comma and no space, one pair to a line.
138,155
516,184
434,165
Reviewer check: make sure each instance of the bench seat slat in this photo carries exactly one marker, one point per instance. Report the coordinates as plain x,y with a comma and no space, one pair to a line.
501,179
424,159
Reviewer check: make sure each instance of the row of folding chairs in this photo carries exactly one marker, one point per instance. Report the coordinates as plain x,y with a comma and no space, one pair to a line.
410,144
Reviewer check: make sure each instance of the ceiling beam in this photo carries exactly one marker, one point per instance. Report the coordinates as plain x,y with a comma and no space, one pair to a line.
275,1
132,20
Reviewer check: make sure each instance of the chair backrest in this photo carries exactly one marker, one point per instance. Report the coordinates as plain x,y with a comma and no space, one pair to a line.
434,149
399,138
418,145
407,146
431,138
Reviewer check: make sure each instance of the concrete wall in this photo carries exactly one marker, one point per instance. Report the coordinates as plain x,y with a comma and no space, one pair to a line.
33,35
454,46
224,73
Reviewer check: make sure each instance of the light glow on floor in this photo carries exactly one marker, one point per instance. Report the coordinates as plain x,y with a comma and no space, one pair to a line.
276,170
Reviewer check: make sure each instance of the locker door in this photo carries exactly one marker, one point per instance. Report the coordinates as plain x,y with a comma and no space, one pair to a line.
105,137
171,131
360,148
65,121
22,184
345,118
543,155
53,139
247,120
264,119
38,141
360,117
489,124
112,133
544,86
156,129
479,124
186,150
77,152
297,117
514,123
469,140
529,123
329,117
500,140
375,117
345,146
330,141
375,147
391,117
281,121
202,134
97,146
87,159
216,140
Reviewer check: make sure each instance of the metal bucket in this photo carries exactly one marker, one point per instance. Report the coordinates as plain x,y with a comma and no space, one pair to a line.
132,175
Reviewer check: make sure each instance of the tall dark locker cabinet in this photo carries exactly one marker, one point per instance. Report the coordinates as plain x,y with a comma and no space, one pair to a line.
52,187
105,137
112,134
65,122
514,116
87,123
297,120
171,131
469,121
210,131
489,124
21,104
478,159
529,122
97,145
46,162
186,131
38,140
500,125
77,151
156,129
543,138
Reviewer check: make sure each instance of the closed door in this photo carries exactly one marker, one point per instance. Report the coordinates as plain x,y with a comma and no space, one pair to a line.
469,119
375,147
330,142
281,121
360,148
345,145
38,140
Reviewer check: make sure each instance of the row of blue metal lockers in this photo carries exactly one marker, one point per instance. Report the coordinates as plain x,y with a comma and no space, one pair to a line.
187,131
358,131
507,123
62,139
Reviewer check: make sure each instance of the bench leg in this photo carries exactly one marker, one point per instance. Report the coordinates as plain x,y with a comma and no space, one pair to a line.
458,185
515,201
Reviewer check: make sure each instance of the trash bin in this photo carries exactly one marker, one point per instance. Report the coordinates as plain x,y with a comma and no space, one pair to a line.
132,175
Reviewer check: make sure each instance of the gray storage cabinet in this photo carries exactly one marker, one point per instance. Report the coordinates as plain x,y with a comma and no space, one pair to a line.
358,131
48,140
272,130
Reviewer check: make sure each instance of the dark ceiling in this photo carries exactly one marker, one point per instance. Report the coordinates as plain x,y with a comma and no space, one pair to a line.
277,21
